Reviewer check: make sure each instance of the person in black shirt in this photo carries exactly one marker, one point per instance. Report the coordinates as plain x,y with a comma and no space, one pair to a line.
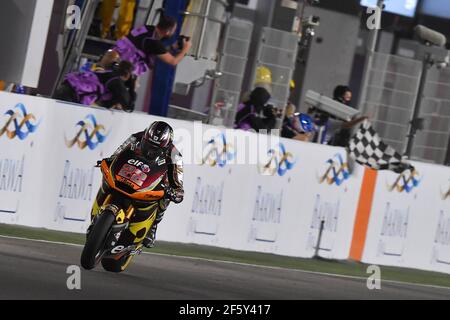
119,87
341,138
145,44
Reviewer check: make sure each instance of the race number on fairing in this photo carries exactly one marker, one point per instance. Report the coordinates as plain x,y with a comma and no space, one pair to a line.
133,174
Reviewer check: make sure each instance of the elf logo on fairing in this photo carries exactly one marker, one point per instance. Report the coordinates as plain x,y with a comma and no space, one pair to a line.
207,198
267,206
11,174
137,163
76,183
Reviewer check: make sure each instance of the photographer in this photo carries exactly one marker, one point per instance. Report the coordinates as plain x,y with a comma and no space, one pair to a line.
255,113
145,44
120,85
111,89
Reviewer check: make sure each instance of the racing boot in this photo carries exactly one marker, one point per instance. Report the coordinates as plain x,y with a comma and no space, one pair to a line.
149,240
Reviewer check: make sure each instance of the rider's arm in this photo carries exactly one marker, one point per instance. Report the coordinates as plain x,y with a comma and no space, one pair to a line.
175,175
174,60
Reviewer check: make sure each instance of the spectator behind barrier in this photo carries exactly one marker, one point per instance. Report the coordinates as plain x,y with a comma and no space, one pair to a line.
292,128
342,136
125,18
255,113
145,44
107,61
110,88
331,130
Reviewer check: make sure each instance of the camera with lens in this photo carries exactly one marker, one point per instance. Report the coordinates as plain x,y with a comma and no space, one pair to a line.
272,110
180,41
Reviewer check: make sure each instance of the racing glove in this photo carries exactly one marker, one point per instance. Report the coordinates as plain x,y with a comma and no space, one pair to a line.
173,195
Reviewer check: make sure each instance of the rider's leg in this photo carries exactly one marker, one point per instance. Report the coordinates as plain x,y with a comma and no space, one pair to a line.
149,240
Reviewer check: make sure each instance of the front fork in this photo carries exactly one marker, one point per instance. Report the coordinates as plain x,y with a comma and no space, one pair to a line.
105,202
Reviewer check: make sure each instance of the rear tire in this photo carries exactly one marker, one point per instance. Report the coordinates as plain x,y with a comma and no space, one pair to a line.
96,240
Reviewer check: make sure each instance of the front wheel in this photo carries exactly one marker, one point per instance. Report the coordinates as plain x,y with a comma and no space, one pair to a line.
93,249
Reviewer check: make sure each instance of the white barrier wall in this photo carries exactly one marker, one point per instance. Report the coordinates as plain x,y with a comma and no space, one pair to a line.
410,220
48,150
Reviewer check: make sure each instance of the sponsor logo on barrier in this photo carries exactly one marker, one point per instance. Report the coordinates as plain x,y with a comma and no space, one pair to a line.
325,211
280,161
406,181
441,247
91,131
207,198
443,230
394,231
336,172
19,123
207,208
328,213
267,206
76,185
11,179
266,217
218,152
11,174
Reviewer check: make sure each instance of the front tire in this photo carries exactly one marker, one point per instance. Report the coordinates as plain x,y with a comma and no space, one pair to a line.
92,252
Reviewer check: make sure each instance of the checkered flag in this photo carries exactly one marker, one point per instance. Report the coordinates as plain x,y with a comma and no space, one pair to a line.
367,148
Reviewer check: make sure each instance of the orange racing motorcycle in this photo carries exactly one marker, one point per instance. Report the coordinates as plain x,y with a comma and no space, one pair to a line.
132,188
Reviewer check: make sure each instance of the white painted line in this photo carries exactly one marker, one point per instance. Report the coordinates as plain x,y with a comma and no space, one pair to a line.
43,241
241,264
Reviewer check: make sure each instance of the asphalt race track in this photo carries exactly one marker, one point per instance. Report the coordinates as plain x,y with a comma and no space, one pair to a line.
37,270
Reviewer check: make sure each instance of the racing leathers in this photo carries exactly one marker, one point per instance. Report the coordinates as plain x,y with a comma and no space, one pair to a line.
174,191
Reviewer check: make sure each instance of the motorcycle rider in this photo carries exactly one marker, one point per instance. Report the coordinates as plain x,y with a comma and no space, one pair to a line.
157,141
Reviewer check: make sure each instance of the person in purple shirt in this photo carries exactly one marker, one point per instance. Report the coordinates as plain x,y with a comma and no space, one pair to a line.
255,113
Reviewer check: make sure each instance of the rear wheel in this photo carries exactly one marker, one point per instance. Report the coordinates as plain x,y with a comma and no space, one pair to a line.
93,249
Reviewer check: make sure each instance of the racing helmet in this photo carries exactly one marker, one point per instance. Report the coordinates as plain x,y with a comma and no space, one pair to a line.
156,138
